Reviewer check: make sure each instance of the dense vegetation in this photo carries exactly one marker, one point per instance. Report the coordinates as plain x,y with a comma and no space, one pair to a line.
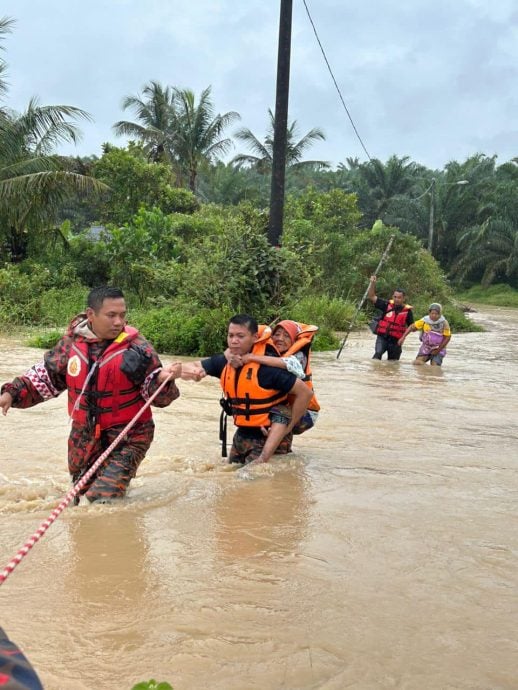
185,233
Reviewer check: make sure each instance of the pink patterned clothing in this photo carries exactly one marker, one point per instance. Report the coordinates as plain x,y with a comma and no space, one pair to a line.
432,334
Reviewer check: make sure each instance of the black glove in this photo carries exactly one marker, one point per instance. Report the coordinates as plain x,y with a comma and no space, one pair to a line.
135,363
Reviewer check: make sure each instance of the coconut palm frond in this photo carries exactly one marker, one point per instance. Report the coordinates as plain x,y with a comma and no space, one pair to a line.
36,183
262,161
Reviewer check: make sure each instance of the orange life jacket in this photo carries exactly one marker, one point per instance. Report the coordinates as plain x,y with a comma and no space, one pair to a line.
393,323
303,342
249,402
116,398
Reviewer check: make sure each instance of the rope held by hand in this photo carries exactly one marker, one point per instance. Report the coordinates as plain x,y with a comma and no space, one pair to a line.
74,490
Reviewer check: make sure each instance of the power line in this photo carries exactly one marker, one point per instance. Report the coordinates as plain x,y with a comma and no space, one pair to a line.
334,80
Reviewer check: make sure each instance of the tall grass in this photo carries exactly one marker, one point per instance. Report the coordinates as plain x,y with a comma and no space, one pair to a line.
497,295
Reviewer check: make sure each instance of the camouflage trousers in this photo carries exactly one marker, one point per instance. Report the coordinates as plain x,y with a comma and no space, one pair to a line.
245,448
115,473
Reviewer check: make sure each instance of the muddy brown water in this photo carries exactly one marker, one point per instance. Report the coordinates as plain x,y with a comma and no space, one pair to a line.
382,553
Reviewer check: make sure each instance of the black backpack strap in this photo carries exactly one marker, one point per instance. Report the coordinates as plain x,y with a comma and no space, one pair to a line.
223,426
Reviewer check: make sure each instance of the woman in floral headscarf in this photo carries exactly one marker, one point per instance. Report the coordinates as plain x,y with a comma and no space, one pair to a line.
292,342
435,335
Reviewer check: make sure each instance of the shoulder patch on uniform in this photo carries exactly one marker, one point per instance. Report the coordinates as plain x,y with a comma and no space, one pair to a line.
74,366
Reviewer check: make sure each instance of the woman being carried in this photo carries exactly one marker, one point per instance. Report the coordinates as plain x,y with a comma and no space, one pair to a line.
290,347
292,340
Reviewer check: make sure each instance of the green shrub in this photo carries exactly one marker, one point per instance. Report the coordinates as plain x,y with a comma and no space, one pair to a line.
174,331
213,335
240,270
29,296
133,182
323,311
142,254
59,306
90,259
45,341
325,340
152,685
175,200
498,295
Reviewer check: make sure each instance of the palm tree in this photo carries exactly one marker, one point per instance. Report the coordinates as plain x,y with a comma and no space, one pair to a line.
350,164
156,128
490,250
458,208
6,25
262,160
33,182
198,136
176,130
379,184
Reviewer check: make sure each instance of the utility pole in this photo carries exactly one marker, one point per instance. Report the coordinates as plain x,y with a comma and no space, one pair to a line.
432,210
281,125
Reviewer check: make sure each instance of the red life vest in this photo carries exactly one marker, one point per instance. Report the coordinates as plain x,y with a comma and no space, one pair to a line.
303,342
118,399
392,323
250,403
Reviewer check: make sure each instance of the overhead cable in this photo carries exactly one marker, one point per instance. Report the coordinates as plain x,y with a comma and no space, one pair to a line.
334,80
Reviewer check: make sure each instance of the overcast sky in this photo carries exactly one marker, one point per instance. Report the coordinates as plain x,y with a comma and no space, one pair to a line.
434,80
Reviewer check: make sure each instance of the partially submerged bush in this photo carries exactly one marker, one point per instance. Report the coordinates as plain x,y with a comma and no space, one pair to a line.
152,685
173,330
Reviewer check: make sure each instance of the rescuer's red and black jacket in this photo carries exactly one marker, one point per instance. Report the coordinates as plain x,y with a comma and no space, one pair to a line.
394,322
100,393
54,374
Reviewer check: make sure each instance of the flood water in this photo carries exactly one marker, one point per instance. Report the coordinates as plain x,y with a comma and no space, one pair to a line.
383,553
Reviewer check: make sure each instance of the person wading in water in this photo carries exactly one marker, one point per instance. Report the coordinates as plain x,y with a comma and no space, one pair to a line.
256,395
395,317
109,371
435,335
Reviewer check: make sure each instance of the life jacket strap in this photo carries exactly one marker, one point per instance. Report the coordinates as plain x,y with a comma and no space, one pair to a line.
223,427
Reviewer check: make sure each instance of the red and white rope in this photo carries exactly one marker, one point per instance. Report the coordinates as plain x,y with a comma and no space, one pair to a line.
74,491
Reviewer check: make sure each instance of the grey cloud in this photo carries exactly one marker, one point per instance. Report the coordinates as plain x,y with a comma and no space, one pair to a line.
435,81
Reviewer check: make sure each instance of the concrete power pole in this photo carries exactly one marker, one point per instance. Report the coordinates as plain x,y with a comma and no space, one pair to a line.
281,125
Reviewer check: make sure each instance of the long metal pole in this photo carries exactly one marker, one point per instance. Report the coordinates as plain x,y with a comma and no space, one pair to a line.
275,225
361,302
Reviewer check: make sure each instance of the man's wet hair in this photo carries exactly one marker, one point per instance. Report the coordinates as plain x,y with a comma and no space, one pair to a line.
245,320
403,292
99,294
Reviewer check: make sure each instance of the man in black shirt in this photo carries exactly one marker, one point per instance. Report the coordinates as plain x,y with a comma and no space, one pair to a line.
255,394
396,316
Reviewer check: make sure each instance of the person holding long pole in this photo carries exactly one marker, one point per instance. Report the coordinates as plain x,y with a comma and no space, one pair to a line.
365,294
396,316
